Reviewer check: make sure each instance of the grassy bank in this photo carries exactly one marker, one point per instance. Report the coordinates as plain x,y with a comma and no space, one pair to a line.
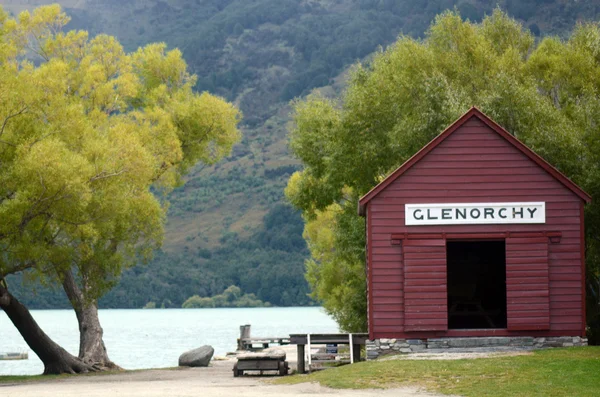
554,372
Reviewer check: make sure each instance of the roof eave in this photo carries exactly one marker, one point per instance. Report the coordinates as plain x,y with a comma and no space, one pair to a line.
362,209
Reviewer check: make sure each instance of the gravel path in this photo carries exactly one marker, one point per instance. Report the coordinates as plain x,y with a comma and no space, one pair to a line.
214,381
218,381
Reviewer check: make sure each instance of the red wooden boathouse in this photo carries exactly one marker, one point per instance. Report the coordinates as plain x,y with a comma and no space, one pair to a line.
475,236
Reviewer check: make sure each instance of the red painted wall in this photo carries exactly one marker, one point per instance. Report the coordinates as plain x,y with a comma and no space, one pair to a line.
474,164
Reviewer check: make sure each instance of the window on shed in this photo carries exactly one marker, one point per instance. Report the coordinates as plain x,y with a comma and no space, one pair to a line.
476,284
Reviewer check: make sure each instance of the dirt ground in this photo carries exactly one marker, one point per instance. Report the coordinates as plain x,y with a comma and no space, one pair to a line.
214,381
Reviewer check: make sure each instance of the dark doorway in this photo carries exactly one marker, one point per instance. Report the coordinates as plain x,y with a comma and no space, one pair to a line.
476,284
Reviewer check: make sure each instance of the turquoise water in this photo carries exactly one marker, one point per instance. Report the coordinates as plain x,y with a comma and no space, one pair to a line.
156,338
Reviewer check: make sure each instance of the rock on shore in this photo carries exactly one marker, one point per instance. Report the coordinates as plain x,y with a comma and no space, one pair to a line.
199,357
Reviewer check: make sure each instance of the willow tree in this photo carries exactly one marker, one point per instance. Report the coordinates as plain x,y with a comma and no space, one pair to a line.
547,94
91,140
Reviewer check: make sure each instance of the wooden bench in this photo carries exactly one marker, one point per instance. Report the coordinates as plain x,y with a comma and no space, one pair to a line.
266,361
354,342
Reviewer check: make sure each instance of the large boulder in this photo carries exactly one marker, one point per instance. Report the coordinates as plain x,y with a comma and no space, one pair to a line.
199,357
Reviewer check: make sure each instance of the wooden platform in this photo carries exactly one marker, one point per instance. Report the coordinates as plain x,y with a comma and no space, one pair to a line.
14,356
262,342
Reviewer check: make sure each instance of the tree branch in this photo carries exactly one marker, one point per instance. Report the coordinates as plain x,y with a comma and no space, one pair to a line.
6,122
16,269
105,175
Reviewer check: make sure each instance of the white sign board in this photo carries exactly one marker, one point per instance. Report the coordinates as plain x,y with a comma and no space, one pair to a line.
474,213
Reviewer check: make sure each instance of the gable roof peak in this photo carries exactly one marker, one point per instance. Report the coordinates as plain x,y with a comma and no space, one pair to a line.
472,112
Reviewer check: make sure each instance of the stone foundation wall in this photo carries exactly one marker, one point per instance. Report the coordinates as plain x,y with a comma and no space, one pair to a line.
379,347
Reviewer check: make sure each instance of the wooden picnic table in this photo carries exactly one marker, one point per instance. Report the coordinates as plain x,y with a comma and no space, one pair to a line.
267,361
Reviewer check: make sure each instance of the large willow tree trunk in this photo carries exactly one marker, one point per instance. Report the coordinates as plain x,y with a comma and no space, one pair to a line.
56,359
91,345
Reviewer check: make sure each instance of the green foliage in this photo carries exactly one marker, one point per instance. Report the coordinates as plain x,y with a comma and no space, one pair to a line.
195,302
150,305
86,130
335,273
546,95
284,49
231,297
267,263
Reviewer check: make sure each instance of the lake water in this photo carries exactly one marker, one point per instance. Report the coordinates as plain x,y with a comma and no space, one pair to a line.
156,338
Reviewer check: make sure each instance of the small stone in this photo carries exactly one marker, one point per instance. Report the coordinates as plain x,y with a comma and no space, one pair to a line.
406,351
384,347
568,345
414,341
404,345
384,341
576,340
392,341
199,357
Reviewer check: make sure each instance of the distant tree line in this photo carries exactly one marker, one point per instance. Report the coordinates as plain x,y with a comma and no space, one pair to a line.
231,297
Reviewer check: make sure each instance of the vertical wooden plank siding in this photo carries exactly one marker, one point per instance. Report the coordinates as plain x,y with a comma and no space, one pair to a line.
477,165
527,284
425,290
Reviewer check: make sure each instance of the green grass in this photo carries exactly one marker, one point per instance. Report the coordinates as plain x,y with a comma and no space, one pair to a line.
555,372
9,379
28,378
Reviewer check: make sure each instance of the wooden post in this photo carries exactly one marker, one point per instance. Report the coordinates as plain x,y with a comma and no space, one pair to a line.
244,334
351,346
309,352
300,366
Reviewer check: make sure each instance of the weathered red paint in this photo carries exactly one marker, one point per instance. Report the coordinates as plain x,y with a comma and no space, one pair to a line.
475,161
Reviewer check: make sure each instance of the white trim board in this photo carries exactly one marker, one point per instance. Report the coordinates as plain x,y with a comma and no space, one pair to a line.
475,213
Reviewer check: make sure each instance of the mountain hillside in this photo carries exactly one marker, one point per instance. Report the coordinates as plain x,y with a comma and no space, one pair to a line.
230,225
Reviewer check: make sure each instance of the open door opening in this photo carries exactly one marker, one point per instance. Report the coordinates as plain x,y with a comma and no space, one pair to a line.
476,284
